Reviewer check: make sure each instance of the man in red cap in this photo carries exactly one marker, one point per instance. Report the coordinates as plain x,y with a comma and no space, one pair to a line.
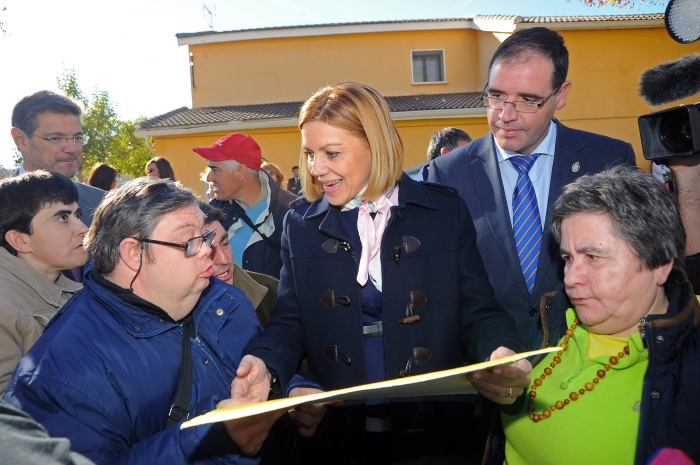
254,206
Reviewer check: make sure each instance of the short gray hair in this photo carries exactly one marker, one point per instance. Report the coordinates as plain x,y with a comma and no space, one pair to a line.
233,164
132,210
644,214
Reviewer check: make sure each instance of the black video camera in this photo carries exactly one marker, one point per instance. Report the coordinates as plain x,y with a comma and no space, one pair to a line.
671,133
674,132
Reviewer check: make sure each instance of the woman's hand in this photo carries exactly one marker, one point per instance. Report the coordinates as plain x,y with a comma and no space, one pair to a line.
502,384
307,417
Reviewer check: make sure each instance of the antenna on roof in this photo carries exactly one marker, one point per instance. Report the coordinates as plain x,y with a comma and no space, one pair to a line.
211,11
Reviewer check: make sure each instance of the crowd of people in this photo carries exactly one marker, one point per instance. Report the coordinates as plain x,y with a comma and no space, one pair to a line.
127,309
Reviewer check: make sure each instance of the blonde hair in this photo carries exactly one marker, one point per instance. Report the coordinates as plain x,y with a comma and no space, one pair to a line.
272,168
360,110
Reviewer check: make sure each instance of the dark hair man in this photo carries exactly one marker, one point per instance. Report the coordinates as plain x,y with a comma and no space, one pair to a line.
150,340
294,183
41,234
445,141
260,289
511,176
441,142
47,131
254,206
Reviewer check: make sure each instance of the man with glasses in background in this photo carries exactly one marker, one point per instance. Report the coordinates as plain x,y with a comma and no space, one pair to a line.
511,176
150,341
47,131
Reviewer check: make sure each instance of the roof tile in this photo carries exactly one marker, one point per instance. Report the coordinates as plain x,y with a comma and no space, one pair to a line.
219,115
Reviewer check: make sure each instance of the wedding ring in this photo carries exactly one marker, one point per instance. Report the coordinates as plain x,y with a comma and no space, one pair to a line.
510,391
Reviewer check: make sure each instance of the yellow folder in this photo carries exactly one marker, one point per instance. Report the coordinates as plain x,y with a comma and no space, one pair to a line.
438,383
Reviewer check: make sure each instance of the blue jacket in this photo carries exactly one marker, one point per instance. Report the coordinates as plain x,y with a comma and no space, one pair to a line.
460,320
105,373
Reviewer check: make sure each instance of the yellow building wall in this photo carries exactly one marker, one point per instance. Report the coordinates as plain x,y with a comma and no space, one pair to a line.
605,65
291,69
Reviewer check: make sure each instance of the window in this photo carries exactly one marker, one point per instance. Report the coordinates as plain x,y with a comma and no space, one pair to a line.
428,66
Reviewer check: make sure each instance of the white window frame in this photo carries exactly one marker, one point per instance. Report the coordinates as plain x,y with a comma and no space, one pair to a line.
437,51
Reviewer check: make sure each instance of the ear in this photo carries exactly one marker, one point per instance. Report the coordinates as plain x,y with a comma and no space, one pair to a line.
130,253
561,95
21,242
21,139
661,273
242,171
444,150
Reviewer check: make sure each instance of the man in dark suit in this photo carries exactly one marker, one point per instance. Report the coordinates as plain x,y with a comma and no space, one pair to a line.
511,176
47,131
294,183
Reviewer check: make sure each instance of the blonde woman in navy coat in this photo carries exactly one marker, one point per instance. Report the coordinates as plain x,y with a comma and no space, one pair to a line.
381,278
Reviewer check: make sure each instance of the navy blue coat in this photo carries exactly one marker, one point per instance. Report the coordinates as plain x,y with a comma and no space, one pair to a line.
473,170
460,322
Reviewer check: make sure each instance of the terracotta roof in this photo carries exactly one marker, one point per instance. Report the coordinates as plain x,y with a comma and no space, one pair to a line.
219,115
514,18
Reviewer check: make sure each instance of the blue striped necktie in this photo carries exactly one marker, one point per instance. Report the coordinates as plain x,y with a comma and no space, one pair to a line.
527,225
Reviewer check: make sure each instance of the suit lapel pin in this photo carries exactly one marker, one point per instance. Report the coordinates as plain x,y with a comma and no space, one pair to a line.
575,167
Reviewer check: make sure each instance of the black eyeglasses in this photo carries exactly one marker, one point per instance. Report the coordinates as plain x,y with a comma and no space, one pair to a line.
56,140
192,247
521,106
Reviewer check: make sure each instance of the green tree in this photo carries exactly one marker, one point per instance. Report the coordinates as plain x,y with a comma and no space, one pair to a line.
17,156
112,140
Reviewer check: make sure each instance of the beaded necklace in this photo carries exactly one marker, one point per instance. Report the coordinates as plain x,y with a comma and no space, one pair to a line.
574,395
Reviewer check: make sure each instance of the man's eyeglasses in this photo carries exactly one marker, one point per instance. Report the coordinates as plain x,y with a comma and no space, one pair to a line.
521,106
56,140
192,247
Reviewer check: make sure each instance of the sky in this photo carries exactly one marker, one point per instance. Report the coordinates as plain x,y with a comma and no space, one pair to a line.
128,47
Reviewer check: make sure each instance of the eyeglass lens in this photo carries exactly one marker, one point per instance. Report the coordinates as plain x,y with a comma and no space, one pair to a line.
521,106
194,245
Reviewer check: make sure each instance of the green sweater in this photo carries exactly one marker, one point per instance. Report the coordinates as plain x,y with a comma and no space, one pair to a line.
600,427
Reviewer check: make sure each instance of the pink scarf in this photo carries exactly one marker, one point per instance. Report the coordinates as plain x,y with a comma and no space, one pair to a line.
371,232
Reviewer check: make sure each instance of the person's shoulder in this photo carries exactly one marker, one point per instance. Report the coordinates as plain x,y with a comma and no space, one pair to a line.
440,189
266,280
460,154
222,291
284,197
89,193
566,132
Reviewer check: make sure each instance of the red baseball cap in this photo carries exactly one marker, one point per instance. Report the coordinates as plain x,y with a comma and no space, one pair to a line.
239,147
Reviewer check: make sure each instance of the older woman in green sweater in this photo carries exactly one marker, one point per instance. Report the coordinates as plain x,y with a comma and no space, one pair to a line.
620,387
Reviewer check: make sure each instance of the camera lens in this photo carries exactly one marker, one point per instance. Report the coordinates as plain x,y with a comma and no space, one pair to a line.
675,132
